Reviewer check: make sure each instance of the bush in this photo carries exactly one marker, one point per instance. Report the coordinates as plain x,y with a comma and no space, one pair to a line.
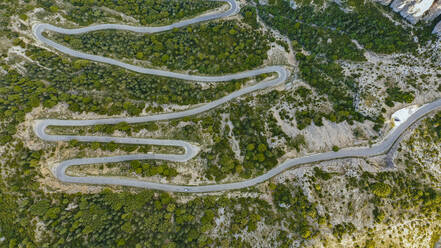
381,189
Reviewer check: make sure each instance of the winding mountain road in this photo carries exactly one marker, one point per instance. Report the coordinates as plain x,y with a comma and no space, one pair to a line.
191,150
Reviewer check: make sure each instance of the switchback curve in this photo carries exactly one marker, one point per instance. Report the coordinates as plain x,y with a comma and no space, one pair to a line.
191,150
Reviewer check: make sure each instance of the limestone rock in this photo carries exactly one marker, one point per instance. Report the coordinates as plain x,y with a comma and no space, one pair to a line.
412,10
416,10
383,2
433,12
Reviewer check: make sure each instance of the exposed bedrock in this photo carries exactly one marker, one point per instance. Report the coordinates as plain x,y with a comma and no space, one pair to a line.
416,10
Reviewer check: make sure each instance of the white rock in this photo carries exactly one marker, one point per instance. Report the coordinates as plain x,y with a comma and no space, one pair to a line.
293,4
433,12
403,114
416,10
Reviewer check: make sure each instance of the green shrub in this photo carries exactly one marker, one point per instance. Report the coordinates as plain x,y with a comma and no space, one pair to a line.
380,189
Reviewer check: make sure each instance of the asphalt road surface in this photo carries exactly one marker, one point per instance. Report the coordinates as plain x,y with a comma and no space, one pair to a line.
191,150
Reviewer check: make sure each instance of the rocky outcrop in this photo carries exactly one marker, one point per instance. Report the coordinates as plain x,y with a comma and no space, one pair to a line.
433,12
416,10
384,2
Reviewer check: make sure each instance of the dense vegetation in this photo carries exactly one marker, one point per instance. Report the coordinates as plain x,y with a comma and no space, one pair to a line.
329,35
296,209
210,48
316,39
152,168
107,219
250,130
365,23
329,80
395,94
249,15
319,69
86,12
114,87
18,95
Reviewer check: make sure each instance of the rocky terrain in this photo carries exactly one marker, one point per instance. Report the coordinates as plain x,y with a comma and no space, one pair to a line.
416,10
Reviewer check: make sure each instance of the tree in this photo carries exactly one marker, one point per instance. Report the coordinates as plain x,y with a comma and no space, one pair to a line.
381,189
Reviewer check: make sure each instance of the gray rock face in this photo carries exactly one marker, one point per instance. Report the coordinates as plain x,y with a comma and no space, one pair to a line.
416,10
383,2
433,12
437,29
